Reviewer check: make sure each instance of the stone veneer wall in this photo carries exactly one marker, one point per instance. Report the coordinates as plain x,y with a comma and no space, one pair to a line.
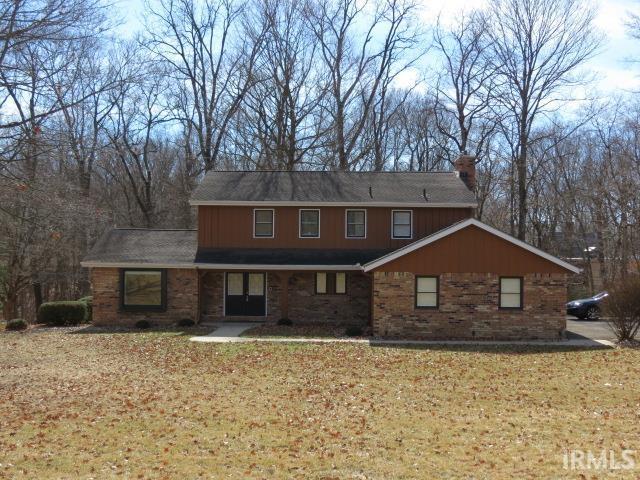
182,298
469,308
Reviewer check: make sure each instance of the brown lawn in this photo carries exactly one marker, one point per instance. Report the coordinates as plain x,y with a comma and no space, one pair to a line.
154,405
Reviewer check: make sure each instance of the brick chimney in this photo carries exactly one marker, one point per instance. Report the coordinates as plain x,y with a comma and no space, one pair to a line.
465,167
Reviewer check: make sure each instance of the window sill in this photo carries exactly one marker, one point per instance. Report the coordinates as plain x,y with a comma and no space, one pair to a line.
142,309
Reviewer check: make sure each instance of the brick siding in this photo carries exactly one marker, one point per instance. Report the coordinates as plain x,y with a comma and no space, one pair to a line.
469,308
304,304
468,304
182,298
351,308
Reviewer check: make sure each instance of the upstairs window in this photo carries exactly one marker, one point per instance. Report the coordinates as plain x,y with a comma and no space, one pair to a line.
401,224
356,221
511,292
309,223
263,223
427,290
143,289
331,283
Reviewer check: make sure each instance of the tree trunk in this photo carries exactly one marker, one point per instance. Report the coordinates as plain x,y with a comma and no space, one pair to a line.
343,164
9,307
521,172
37,294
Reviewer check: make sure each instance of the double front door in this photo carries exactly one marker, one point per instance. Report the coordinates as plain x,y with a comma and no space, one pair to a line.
245,294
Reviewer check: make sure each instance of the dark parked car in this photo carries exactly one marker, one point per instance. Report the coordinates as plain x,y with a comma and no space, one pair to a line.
587,308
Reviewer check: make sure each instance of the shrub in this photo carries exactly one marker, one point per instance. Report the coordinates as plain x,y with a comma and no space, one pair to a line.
285,321
16,324
88,301
186,322
62,313
143,324
353,331
623,308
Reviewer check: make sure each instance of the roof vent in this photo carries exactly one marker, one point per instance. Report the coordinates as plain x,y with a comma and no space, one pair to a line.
370,191
424,194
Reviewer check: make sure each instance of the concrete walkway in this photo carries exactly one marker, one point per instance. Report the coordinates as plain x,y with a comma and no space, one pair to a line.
225,331
229,333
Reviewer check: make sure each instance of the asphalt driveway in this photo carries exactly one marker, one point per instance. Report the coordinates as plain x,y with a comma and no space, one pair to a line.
595,330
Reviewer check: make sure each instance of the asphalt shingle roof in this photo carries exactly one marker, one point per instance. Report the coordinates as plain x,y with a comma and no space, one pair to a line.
333,186
131,245
180,247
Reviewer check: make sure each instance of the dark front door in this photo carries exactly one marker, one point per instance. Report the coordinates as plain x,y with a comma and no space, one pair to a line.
245,294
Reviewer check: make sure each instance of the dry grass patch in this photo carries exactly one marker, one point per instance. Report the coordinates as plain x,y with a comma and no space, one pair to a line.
153,405
297,330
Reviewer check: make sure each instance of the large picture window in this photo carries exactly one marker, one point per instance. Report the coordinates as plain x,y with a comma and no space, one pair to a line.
401,224
263,223
143,289
331,283
356,223
511,292
309,223
427,292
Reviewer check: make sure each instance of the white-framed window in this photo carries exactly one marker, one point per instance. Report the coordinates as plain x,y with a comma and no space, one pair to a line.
427,290
355,223
511,293
331,283
263,222
309,223
401,224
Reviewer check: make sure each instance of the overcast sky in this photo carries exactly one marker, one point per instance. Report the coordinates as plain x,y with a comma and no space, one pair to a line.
614,72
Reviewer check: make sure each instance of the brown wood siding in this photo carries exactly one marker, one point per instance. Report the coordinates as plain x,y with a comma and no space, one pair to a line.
232,226
471,250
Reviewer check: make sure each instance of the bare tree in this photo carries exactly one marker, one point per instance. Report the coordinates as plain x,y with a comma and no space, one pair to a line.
356,64
30,31
281,121
134,132
464,90
213,69
536,48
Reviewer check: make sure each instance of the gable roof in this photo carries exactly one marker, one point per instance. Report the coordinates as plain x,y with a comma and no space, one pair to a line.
442,189
459,226
144,248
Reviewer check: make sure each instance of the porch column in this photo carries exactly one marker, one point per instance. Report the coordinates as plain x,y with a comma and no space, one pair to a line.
284,294
200,274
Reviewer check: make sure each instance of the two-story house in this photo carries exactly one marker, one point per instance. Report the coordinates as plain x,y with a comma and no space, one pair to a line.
400,251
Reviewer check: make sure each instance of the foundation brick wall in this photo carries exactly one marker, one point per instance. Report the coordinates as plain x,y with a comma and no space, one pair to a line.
182,298
469,308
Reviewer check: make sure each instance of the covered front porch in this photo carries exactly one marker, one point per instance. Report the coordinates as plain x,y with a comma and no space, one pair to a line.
271,295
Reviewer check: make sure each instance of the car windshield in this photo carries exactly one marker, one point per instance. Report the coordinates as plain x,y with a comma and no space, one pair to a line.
600,295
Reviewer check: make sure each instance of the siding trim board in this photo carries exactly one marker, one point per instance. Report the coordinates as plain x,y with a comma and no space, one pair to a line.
455,228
